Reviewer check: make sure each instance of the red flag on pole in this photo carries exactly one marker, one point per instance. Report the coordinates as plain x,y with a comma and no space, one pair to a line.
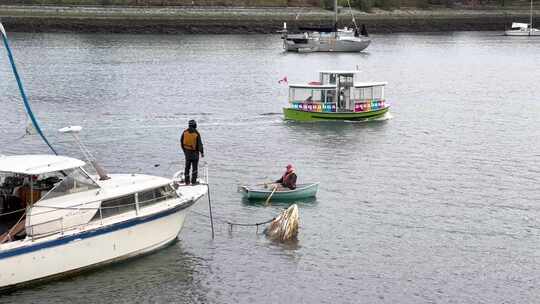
283,80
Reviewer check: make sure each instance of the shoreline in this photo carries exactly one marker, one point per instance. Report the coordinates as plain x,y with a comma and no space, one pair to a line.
238,20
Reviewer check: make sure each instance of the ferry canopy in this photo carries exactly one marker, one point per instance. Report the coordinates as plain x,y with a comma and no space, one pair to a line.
313,86
37,164
339,72
369,84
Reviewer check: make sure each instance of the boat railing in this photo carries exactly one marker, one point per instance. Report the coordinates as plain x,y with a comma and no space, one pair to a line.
314,106
58,226
366,105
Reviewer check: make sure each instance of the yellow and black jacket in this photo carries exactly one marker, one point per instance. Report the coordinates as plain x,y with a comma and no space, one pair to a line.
191,141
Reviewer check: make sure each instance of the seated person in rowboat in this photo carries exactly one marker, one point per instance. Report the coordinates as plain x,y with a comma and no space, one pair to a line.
288,180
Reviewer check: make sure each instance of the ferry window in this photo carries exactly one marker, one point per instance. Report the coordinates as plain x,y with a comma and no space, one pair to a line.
156,195
378,92
70,181
366,93
117,205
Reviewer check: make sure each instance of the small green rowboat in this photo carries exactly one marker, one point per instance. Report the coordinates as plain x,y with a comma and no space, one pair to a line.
260,193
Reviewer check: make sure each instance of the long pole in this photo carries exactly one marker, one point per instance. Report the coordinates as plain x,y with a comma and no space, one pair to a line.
209,204
21,89
336,15
530,19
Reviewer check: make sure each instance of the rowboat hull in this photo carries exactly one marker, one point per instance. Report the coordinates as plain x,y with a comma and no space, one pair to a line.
300,115
301,192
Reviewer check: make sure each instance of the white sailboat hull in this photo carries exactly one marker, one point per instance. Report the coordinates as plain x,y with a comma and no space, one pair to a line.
524,32
56,256
328,45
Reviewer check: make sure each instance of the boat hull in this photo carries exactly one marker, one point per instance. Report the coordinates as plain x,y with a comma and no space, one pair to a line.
313,45
533,32
43,260
300,192
300,115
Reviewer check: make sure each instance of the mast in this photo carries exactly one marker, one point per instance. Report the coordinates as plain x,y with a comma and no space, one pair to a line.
21,89
530,18
336,15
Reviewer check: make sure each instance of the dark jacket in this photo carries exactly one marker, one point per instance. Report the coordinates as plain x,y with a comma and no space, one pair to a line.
288,180
190,145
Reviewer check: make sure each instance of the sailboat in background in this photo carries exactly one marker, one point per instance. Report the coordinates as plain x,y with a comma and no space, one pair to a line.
327,39
523,29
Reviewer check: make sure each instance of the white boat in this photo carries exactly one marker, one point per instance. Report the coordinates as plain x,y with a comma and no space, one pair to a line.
523,29
57,219
327,40
71,221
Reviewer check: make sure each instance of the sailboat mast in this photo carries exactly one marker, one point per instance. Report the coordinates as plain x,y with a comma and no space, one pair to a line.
530,18
336,15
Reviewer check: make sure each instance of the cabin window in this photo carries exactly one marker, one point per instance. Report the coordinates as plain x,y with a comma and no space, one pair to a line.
328,78
310,95
69,182
156,195
116,206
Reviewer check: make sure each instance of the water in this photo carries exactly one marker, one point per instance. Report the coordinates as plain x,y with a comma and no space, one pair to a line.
437,205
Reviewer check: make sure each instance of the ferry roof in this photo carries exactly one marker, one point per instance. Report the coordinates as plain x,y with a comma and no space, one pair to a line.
37,164
369,84
339,72
313,86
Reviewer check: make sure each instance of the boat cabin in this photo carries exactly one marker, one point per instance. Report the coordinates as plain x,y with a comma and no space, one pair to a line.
337,91
41,195
517,26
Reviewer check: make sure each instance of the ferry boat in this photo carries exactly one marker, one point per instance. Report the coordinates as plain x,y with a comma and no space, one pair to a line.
337,95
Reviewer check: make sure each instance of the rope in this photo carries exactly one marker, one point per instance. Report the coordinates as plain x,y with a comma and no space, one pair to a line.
231,224
12,212
352,15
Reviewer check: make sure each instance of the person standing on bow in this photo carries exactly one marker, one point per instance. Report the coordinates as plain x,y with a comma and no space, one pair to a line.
191,145
288,180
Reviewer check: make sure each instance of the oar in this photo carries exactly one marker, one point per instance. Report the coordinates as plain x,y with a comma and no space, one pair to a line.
270,196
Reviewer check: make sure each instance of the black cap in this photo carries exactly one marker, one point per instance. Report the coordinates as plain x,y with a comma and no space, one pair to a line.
192,124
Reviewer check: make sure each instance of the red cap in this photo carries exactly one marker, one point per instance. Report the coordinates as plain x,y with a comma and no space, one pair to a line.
289,167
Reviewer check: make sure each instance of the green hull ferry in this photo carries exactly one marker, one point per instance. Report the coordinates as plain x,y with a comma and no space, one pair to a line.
336,96
300,115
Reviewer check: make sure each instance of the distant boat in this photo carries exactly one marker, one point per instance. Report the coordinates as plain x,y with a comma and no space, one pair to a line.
523,29
326,39
337,96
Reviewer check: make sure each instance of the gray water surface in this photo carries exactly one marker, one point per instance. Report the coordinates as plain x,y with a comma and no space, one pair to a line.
438,204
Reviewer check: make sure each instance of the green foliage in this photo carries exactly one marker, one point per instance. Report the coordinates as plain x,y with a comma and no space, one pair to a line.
387,4
363,5
327,4
423,4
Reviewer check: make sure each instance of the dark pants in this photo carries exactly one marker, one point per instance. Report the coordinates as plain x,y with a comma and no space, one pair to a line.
192,162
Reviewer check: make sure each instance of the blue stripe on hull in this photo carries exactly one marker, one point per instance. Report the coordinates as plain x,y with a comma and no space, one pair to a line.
93,233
